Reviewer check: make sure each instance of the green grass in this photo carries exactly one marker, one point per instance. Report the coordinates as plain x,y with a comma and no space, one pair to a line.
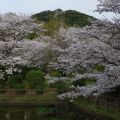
41,99
93,107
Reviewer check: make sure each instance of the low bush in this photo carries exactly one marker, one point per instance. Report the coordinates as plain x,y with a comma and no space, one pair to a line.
84,82
35,79
56,73
99,68
82,70
20,88
14,80
62,86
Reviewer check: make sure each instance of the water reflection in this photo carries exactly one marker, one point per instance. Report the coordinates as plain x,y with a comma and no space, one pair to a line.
26,116
7,116
38,113
24,113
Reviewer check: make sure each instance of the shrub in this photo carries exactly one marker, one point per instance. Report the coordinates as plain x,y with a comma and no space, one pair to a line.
56,73
79,83
26,69
2,87
90,81
60,85
32,36
14,80
35,79
2,84
99,68
84,82
20,88
70,75
39,91
82,70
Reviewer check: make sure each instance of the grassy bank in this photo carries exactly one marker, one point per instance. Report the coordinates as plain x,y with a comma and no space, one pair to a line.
83,103
41,99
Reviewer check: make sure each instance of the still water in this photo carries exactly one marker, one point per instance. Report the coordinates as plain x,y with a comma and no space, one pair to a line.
38,113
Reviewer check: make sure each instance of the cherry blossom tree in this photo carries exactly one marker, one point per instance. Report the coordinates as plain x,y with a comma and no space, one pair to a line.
109,6
13,31
95,44
70,50
89,46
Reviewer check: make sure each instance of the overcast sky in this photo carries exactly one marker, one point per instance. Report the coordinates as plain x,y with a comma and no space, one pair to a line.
35,6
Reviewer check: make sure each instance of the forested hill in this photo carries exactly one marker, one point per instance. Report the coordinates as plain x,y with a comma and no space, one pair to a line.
69,17
54,19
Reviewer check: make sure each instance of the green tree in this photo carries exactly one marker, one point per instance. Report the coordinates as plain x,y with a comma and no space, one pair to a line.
14,80
35,79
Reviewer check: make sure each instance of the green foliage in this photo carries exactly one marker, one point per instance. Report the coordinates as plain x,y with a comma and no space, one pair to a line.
79,82
92,107
70,75
43,85
14,80
99,68
90,81
44,16
26,69
82,70
56,73
19,80
61,85
2,67
74,18
52,26
54,19
69,17
2,84
35,79
32,36
20,88
39,90
84,82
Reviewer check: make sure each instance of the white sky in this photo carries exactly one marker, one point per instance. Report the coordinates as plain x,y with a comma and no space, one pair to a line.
35,6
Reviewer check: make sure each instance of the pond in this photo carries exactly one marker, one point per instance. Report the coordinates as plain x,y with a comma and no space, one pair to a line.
38,113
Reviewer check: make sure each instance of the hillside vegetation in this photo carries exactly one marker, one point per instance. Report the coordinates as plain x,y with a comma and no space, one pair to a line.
54,19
